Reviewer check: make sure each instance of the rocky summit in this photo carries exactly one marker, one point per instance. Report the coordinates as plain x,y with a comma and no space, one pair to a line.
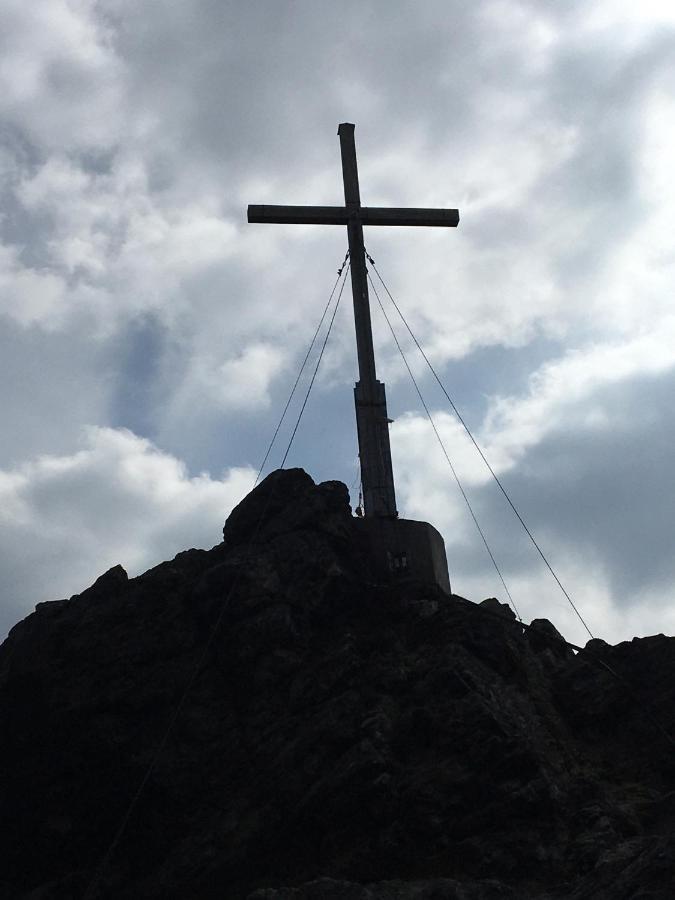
266,721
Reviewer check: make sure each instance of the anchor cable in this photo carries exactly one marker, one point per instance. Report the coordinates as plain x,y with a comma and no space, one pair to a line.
482,455
316,367
445,452
302,369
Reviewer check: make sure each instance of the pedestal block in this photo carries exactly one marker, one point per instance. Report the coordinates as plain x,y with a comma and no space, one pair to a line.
405,550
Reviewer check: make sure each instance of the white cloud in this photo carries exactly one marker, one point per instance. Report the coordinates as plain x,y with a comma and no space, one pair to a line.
561,393
211,391
243,382
30,295
110,248
60,79
66,519
646,14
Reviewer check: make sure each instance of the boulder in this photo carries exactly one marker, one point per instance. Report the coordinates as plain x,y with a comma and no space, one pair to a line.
288,500
543,635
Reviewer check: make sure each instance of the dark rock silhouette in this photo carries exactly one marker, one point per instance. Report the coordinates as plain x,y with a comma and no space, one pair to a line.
340,739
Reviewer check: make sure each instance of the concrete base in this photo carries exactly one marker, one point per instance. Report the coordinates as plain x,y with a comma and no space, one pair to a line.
405,550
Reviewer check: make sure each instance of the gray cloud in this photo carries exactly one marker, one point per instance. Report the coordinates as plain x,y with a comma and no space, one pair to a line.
610,489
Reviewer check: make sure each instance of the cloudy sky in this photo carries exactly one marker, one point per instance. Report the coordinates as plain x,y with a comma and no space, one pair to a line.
149,336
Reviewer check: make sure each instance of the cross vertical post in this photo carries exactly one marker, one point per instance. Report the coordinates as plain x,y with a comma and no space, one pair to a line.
372,421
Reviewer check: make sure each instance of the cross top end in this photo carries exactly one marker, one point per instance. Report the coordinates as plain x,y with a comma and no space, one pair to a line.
340,215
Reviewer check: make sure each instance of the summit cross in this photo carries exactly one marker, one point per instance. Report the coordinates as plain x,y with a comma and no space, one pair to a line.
372,422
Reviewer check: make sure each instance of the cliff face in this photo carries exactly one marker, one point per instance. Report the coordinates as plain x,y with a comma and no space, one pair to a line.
340,738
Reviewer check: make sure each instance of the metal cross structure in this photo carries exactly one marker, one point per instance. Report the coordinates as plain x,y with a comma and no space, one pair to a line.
372,422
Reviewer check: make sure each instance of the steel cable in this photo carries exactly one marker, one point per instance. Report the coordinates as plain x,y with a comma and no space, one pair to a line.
445,452
482,455
302,369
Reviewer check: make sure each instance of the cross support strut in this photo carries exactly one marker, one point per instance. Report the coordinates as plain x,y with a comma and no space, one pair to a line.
372,421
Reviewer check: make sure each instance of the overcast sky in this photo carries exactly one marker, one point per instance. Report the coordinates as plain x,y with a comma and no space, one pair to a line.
149,336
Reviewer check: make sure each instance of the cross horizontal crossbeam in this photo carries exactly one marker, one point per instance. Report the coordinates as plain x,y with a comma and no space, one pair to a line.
341,215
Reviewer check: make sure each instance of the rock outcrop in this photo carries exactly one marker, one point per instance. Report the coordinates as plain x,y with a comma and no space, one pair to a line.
340,738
